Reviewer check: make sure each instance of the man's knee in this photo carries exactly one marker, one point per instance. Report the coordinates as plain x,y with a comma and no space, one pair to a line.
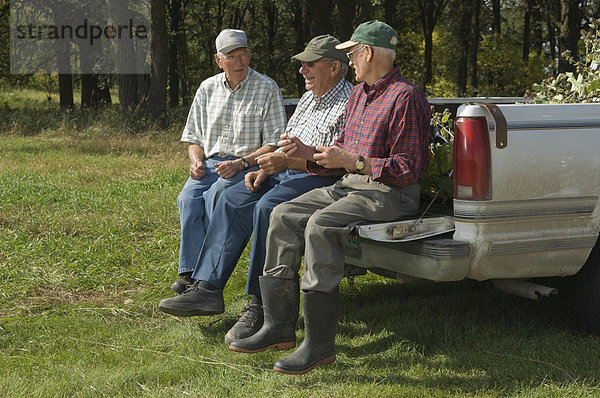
189,198
263,210
280,213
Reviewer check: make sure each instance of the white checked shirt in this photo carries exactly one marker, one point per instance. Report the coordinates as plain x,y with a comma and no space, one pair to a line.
319,120
235,122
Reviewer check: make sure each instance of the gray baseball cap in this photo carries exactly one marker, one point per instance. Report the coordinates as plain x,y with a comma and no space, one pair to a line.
319,47
230,39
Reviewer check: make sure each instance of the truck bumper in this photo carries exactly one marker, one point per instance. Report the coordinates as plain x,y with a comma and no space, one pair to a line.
437,258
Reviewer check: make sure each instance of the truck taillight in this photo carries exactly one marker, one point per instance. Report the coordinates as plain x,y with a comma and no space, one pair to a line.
472,165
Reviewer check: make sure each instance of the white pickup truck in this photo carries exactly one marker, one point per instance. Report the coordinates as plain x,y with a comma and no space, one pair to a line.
525,205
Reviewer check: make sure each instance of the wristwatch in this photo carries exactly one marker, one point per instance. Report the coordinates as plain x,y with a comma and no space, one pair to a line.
245,163
360,164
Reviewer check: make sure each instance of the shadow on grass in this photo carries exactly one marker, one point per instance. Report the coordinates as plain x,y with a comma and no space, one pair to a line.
465,336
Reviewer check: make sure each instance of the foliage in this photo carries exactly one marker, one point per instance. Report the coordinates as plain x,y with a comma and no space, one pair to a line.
502,71
279,28
18,106
583,85
438,180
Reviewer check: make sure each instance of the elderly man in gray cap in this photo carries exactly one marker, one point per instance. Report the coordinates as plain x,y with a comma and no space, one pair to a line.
318,119
236,116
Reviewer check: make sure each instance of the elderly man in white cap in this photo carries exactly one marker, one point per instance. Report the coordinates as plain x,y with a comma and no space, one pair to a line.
236,116
244,209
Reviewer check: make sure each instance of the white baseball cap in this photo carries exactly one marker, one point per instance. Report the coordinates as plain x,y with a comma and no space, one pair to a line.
230,39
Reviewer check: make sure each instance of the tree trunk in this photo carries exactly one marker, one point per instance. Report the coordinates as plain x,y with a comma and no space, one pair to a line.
93,92
474,47
300,41
125,59
347,12
497,18
65,91
526,30
552,43
537,31
389,8
319,14
63,60
156,100
270,10
464,32
430,12
568,38
175,14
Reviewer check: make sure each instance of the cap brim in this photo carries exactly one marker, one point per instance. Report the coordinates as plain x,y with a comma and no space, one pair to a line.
307,56
346,44
228,49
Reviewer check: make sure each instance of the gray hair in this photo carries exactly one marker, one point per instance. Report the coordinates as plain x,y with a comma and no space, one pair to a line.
343,67
386,53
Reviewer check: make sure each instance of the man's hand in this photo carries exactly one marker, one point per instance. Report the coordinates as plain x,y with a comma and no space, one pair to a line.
292,146
197,170
273,163
333,157
228,168
254,180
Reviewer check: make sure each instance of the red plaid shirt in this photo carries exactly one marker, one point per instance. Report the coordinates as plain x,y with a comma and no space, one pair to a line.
387,122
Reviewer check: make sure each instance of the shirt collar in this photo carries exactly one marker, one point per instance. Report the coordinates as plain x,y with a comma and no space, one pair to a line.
382,84
329,97
240,84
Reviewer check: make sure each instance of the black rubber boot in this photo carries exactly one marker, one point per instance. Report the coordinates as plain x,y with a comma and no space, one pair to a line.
320,325
281,302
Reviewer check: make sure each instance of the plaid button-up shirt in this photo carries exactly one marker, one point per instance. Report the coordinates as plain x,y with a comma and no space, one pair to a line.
387,122
319,120
235,122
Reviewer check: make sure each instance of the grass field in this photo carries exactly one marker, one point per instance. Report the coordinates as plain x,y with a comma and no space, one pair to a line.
89,245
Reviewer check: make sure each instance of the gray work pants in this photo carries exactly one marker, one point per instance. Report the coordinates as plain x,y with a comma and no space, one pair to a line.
317,223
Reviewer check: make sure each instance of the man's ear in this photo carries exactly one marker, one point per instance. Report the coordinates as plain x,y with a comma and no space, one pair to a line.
335,67
218,61
369,50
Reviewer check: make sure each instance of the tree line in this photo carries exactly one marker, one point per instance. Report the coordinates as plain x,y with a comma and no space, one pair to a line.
447,47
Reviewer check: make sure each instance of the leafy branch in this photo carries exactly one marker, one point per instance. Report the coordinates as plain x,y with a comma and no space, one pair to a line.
583,85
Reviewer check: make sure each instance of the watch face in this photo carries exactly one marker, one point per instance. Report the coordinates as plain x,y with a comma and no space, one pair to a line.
360,164
245,163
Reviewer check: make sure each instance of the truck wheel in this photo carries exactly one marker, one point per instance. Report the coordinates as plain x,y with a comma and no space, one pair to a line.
586,292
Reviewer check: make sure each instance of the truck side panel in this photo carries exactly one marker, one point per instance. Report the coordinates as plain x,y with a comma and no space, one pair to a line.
543,218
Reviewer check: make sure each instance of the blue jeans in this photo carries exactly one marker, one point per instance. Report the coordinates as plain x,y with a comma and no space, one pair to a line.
196,203
237,213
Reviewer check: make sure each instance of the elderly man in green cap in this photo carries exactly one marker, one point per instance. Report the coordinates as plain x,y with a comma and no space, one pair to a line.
246,206
382,154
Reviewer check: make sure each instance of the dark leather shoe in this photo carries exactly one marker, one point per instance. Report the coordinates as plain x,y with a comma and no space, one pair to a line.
249,323
180,285
196,300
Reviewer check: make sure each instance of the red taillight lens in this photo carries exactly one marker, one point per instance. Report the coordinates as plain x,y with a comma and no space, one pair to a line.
472,165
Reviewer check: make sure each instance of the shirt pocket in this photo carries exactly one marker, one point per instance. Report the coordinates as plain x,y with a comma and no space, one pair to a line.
248,121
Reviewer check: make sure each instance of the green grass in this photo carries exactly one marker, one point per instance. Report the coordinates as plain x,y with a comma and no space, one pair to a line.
89,244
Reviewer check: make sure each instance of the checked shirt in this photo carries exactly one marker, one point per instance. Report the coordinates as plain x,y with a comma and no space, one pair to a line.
319,120
387,122
236,122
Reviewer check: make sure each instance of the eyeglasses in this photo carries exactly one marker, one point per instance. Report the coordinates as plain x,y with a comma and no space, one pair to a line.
349,54
230,58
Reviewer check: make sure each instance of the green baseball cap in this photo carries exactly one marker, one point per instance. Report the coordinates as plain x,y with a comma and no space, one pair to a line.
373,33
319,47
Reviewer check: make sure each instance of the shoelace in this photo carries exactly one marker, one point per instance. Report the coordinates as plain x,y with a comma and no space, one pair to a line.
250,314
191,286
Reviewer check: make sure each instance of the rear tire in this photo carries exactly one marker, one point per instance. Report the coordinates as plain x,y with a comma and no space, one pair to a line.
586,292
